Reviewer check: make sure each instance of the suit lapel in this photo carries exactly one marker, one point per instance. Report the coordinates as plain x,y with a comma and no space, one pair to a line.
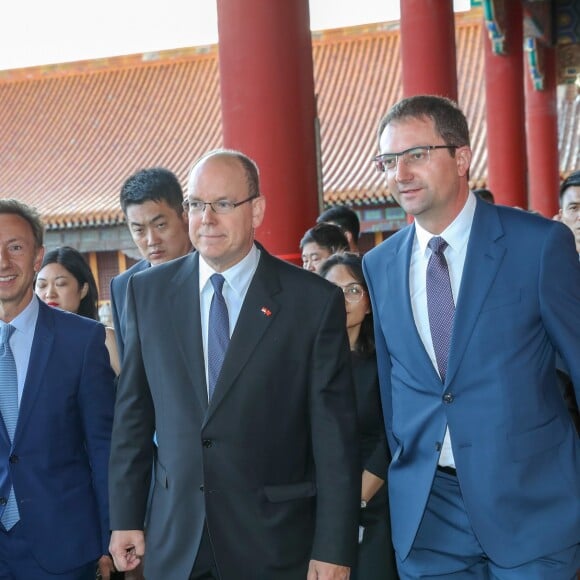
258,312
185,317
482,262
400,294
39,356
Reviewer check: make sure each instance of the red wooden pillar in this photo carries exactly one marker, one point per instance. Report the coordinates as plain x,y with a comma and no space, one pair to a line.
429,64
504,91
542,135
268,109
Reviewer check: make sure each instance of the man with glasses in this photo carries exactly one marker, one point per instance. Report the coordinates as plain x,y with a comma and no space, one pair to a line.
240,363
470,307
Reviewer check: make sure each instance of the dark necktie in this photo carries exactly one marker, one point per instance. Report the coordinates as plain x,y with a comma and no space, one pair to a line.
9,409
218,333
440,305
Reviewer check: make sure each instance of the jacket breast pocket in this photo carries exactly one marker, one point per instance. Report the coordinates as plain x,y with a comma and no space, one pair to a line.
501,297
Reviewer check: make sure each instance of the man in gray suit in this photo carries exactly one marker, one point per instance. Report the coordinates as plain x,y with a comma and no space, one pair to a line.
256,470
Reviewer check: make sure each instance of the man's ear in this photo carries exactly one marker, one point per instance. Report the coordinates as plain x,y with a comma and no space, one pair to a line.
463,160
258,211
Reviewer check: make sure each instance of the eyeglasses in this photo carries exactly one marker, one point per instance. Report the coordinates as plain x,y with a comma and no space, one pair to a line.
221,206
353,292
415,157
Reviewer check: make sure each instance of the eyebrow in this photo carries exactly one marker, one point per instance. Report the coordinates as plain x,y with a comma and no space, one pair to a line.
56,278
152,220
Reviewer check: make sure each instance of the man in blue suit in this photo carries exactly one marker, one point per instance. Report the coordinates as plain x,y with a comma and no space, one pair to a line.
484,480
56,402
151,200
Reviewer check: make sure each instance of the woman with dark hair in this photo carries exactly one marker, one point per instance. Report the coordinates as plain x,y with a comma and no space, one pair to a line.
65,281
319,243
375,558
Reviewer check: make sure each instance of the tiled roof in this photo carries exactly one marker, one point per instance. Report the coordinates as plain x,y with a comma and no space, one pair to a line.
358,78
72,133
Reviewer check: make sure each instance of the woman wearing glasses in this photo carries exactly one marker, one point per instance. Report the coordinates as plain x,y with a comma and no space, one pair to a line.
375,559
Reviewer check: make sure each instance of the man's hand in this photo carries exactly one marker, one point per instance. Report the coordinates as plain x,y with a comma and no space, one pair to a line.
106,567
127,548
325,571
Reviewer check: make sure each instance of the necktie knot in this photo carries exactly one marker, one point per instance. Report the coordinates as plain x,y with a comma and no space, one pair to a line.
5,334
217,281
437,244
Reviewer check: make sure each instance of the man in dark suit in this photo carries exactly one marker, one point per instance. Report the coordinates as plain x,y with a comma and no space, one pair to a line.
256,472
471,303
569,213
151,200
56,400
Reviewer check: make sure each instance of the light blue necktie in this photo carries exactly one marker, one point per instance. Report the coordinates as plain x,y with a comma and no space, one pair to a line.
218,333
440,305
9,410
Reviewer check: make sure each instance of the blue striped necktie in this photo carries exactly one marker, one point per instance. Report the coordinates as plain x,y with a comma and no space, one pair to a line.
218,333
9,409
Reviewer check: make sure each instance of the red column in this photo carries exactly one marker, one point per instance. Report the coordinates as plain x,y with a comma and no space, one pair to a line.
428,54
268,109
504,91
542,136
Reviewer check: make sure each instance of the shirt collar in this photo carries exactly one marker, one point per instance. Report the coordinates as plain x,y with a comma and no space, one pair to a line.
27,318
238,277
456,233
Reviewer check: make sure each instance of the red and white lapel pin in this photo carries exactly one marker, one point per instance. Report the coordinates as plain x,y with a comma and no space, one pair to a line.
266,311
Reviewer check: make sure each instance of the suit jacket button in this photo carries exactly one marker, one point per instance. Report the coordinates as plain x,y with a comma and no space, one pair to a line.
201,488
3,501
448,398
437,446
13,459
207,442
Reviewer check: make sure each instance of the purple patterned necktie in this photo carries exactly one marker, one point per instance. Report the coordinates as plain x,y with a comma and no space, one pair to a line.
440,305
218,333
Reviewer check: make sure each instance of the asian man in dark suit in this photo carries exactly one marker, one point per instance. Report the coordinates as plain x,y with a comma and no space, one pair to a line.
151,200
56,400
472,302
256,473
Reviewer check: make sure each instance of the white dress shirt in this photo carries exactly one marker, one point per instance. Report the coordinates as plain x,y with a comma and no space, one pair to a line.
237,282
457,236
21,341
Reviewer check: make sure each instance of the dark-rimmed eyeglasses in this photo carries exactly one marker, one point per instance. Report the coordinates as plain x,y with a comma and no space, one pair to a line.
220,206
415,156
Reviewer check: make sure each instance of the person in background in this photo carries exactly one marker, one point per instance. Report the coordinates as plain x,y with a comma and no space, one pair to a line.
320,242
239,361
569,213
56,401
345,218
65,281
484,194
375,557
471,303
151,200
